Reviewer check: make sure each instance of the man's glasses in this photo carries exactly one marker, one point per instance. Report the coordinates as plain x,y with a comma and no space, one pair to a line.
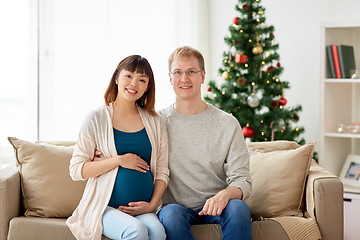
178,74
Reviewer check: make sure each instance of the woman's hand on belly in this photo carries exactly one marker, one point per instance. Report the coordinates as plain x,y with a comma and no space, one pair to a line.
137,208
133,161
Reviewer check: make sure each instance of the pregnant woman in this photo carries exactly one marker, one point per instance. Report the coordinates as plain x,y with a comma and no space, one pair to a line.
125,184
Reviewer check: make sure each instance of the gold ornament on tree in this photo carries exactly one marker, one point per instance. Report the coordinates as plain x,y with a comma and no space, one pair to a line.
257,49
225,75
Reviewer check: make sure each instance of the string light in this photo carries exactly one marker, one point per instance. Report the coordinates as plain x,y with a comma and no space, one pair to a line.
246,65
297,129
250,40
215,95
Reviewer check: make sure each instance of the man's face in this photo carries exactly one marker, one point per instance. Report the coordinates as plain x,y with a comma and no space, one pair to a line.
187,77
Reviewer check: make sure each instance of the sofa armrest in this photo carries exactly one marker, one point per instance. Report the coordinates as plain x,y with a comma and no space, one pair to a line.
9,198
324,202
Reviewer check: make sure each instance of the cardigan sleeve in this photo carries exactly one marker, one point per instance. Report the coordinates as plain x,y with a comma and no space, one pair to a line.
84,148
162,168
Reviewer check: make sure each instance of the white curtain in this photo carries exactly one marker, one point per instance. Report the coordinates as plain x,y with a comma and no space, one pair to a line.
81,43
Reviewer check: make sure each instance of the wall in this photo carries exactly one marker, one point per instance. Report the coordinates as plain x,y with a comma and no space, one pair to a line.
297,25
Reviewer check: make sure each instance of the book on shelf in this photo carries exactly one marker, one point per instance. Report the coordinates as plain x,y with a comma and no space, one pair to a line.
330,58
336,61
346,59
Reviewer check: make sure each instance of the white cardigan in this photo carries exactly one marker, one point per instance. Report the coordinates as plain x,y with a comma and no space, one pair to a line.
97,133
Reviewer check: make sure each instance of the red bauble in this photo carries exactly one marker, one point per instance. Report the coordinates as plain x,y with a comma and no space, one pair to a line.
282,101
270,68
209,89
278,64
236,20
248,132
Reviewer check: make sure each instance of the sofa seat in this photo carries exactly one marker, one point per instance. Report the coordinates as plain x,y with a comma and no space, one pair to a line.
32,228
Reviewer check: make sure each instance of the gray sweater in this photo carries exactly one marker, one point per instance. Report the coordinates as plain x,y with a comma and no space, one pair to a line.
207,153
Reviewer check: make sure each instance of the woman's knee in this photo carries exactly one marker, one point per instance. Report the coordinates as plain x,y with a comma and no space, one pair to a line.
136,231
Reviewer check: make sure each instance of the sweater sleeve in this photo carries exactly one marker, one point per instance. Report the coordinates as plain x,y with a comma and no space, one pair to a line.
162,169
84,148
237,163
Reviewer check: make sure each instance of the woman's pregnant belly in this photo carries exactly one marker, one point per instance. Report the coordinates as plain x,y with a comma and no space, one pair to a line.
131,186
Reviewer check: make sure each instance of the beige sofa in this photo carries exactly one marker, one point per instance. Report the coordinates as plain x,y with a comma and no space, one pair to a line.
320,211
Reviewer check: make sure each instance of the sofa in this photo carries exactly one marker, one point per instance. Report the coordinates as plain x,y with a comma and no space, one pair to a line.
292,198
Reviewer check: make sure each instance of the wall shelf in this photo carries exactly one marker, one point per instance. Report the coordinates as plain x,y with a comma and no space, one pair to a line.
340,98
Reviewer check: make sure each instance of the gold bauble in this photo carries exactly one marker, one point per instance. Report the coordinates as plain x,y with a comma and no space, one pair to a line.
225,75
260,12
257,49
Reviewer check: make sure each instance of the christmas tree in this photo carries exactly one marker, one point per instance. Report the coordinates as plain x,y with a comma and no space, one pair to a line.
252,91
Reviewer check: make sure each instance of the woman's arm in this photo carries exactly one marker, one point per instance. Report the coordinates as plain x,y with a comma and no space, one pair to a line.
100,166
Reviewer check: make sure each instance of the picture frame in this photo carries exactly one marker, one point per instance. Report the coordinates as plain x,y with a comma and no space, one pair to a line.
350,173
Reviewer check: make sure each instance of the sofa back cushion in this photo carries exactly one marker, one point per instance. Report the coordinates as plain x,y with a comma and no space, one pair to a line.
278,170
48,190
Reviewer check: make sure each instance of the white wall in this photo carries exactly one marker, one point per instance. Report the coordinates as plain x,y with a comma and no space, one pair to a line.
297,30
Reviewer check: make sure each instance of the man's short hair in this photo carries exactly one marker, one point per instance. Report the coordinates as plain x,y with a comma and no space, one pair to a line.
186,51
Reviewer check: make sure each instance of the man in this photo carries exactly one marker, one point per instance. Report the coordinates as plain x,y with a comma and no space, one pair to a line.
208,158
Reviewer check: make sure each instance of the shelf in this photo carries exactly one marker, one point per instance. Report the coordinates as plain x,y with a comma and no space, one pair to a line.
342,80
341,135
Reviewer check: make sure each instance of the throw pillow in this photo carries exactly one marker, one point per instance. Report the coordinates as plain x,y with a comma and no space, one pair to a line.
48,190
278,178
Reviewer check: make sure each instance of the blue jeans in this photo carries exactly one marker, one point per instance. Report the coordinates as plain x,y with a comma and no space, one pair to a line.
235,221
119,225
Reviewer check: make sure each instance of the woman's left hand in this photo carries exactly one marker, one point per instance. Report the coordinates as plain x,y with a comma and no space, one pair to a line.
137,208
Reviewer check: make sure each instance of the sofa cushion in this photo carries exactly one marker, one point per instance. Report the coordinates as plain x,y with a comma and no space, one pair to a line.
278,170
48,190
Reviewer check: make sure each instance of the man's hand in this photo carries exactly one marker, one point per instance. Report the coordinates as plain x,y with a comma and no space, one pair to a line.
137,208
97,155
215,205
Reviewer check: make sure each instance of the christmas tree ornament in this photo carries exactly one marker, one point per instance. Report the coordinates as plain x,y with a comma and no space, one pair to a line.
248,131
282,101
270,68
236,20
209,89
225,75
257,49
260,12
274,104
241,81
253,100
278,64
296,117
245,7
240,58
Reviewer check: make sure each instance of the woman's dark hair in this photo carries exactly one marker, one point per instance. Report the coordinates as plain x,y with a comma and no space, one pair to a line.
138,64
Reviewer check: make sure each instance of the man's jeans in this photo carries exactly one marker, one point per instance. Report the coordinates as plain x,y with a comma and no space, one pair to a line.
235,221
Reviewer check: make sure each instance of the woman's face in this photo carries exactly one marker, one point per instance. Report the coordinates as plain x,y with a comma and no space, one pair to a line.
131,85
